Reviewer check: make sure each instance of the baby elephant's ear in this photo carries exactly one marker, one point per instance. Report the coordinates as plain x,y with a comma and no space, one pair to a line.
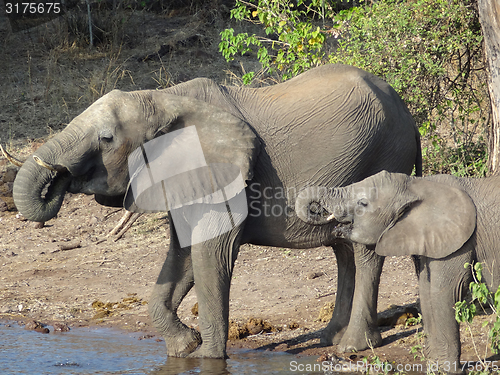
436,225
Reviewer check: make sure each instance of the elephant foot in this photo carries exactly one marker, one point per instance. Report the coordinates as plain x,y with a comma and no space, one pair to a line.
183,345
209,352
332,336
360,340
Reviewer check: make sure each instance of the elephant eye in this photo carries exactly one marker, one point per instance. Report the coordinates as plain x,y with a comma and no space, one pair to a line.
363,202
107,137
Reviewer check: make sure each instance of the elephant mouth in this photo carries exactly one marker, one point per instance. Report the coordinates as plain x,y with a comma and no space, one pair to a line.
316,213
52,185
80,183
342,230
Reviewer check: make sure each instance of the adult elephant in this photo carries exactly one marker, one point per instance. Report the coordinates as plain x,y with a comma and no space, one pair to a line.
331,126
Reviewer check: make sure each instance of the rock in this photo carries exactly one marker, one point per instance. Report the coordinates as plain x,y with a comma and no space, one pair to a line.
3,206
102,314
10,175
6,309
61,327
93,221
20,217
10,203
36,326
314,275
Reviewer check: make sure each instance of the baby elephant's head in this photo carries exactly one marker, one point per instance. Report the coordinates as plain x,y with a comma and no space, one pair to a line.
399,214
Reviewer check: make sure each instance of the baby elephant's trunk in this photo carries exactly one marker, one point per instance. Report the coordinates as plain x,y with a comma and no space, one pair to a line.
321,205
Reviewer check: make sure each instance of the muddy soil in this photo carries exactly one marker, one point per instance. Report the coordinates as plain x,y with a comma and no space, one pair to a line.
68,272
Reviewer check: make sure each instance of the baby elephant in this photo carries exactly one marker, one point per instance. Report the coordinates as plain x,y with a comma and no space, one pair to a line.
445,220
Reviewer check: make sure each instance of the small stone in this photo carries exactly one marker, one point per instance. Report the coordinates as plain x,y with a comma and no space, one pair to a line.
10,175
20,217
3,206
93,220
61,327
5,310
314,275
36,326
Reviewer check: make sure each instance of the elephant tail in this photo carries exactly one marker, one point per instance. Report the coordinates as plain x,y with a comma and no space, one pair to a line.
418,157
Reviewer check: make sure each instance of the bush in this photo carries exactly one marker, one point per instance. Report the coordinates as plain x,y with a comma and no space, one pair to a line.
465,311
292,43
430,51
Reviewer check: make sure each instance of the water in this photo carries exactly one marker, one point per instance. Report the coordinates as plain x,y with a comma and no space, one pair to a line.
105,351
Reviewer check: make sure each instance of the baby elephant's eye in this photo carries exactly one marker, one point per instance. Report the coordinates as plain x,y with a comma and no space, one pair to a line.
363,202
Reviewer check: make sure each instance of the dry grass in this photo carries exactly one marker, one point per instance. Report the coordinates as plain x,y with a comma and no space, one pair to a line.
50,74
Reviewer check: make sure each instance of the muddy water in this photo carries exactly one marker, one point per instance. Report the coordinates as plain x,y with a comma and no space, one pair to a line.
104,351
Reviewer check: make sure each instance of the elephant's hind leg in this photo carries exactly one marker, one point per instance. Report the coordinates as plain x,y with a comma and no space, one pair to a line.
333,333
174,282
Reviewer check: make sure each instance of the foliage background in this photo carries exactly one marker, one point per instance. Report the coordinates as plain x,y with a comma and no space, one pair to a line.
430,51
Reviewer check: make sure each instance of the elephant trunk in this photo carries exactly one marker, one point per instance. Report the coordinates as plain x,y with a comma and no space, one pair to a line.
38,191
316,205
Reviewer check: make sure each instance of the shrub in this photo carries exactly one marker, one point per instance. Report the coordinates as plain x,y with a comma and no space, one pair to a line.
430,51
292,43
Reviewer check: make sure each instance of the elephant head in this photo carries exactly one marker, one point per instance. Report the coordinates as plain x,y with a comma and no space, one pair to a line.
399,214
91,155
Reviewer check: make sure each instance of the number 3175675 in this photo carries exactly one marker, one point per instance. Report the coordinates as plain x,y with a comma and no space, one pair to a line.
32,8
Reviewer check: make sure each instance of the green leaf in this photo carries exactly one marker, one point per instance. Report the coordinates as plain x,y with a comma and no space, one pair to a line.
247,78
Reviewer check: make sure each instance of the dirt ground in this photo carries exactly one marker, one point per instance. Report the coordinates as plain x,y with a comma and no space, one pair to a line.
69,272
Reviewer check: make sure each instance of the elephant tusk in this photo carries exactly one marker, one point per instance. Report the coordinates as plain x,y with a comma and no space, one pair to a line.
330,218
10,158
55,168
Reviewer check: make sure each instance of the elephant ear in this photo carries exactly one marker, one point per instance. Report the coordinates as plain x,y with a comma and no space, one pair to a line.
435,225
201,154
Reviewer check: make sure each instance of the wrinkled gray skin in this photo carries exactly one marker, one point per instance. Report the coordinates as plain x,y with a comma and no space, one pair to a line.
331,126
445,220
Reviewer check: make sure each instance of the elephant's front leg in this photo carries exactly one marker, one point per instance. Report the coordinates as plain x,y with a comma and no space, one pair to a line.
174,282
362,331
213,262
443,282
